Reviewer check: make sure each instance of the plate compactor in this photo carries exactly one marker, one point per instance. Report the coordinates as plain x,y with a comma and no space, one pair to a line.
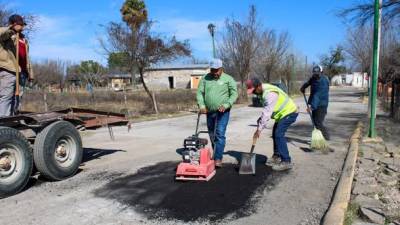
197,163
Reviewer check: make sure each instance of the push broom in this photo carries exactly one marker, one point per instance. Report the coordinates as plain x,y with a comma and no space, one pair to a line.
318,141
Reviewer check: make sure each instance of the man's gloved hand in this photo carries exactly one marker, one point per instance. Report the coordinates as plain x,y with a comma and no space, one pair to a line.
302,90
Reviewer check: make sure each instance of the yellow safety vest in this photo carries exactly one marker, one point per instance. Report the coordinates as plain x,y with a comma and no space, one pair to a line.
284,106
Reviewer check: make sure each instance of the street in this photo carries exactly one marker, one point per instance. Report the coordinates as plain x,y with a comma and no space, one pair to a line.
130,180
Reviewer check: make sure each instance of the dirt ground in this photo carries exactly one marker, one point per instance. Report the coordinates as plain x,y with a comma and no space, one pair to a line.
130,180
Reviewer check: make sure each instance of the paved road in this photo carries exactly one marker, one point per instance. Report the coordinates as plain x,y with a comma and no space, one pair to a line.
107,189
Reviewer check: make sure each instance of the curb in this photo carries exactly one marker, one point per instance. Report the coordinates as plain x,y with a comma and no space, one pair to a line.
341,197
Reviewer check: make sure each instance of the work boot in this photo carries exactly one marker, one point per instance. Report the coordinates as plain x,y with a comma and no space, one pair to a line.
273,160
218,163
282,166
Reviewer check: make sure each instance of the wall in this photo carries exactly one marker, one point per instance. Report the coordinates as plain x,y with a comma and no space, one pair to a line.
159,79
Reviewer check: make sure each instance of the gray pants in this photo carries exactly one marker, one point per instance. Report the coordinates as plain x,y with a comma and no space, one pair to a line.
7,93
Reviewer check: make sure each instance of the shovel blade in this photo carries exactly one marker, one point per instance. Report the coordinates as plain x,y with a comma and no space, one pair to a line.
248,163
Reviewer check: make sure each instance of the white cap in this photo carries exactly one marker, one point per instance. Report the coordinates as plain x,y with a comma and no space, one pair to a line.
215,63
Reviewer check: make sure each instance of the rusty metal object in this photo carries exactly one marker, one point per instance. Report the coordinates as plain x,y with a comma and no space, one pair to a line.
90,119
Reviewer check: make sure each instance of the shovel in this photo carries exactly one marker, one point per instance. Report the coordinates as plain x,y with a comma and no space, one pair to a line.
248,162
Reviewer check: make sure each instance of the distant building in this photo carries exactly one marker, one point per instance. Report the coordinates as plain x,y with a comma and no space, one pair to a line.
119,82
163,77
355,79
175,76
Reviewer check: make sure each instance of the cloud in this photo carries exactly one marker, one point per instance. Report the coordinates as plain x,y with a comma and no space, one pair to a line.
67,38
63,38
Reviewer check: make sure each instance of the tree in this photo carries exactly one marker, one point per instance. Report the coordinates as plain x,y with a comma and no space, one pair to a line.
144,48
239,46
88,72
333,62
362,13
272,53
118,62
49,72
4,15
359,47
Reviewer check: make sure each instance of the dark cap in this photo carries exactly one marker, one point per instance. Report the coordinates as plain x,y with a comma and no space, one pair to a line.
251,84
16,19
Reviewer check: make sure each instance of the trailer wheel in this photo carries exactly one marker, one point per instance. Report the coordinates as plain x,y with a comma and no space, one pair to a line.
15,161
58,151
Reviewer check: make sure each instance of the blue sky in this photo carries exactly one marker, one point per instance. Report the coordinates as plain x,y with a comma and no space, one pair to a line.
69,30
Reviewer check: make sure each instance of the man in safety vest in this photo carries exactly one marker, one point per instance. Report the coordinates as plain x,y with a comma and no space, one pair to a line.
280,107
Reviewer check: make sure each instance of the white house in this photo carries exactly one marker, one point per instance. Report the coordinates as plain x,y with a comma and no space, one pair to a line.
355,79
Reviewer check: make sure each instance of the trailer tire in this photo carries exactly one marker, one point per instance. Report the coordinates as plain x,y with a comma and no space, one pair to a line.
15,161
58,151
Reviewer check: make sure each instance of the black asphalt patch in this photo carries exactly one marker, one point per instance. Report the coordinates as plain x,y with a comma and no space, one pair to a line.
152,191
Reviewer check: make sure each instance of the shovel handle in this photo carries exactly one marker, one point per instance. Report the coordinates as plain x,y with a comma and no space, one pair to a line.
253,145
254,140
17,67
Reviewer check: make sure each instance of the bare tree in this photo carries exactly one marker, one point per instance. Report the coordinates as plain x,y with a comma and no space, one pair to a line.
4,15
273,50
358,46
49,72
142,47
362,13
239,46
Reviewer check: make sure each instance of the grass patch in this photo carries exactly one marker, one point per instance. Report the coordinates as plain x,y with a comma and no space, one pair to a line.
351,213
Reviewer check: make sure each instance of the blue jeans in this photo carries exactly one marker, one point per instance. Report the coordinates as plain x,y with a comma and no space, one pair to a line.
278,135
218,121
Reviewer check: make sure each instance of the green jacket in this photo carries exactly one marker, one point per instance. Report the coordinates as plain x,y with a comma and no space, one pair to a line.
8,44
213,93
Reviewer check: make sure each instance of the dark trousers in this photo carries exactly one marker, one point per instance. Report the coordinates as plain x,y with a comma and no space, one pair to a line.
278,135
318,116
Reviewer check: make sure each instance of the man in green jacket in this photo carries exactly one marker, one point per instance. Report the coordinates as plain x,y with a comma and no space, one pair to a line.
11,39
216,94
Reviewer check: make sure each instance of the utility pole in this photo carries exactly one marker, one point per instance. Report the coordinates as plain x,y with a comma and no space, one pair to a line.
306,69
291,75
375,67
211,29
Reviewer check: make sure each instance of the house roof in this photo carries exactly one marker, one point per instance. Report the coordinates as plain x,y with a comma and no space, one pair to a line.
126,76
178,67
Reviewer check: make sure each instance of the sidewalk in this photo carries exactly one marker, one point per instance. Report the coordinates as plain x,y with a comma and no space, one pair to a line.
376,187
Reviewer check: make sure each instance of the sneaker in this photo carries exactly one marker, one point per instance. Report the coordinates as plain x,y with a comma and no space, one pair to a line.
282,166
218,163
273,160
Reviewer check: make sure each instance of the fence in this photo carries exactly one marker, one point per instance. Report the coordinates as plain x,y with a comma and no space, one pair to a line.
133,103
389,94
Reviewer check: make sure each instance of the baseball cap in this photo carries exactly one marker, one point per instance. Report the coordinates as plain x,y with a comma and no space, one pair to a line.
215,63
16,19
251,84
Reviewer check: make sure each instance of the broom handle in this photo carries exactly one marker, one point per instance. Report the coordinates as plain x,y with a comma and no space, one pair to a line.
308,107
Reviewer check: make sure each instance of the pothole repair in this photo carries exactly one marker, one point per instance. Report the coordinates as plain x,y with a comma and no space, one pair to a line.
152,191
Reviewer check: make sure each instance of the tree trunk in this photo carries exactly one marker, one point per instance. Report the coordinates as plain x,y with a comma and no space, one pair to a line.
149,93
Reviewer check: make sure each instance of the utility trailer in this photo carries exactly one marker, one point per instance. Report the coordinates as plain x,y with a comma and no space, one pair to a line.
46,142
